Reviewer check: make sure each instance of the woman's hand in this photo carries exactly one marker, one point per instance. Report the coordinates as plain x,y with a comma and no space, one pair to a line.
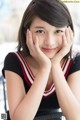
67,40
35,52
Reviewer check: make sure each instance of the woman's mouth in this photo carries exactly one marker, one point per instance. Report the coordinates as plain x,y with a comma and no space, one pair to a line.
48,49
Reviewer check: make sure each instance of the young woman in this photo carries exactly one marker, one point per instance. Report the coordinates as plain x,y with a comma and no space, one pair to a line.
43,76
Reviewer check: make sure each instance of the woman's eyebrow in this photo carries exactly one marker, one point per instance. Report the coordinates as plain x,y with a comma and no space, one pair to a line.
39,27
60,29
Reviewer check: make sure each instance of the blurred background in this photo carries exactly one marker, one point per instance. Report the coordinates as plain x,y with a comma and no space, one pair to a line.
11,12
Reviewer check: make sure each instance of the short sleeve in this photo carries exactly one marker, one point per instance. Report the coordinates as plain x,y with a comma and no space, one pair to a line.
76,64
12,63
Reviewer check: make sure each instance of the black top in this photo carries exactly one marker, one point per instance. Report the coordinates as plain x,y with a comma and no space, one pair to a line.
15,62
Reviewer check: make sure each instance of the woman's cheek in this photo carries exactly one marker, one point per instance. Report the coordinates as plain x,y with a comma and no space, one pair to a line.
41,40
40,37
59,40
33,37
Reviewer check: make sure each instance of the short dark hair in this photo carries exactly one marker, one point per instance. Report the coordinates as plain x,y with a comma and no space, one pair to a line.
55,12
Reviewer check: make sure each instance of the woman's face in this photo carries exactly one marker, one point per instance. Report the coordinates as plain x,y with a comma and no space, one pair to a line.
50,37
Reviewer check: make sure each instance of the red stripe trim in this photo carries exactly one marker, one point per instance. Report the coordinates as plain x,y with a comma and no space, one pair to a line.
30,69
65,64
46,96
24,73
25,76
68,68
49,87
48,91
26,65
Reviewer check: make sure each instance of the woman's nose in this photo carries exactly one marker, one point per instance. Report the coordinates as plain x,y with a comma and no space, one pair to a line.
49,40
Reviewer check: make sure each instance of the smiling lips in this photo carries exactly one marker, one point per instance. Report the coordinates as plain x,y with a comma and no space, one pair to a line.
48,49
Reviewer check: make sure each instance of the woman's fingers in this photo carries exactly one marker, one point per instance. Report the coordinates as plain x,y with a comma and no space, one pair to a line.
69,35
29,39
29,42
64,40
33,45
67,40
35,51
37,43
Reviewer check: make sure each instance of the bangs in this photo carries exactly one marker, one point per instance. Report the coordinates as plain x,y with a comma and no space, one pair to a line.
54,14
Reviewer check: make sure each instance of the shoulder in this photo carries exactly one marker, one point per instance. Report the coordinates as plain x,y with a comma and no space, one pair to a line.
76,57
76,60
75,63
11,63
10,59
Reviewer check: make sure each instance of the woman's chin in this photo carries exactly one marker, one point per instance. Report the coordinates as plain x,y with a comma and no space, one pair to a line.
50,56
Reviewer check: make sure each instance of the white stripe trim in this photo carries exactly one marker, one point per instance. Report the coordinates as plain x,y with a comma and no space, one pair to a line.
66,66
49,89
63,64
49,92
25,68
28,69
46,93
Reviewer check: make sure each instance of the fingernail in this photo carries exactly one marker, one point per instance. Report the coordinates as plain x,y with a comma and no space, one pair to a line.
27,30
69,27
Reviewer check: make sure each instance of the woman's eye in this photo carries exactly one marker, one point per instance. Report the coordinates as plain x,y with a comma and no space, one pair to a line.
59,31
40,31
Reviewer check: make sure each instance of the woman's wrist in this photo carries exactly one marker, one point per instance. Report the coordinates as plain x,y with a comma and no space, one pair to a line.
45,68
55,65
